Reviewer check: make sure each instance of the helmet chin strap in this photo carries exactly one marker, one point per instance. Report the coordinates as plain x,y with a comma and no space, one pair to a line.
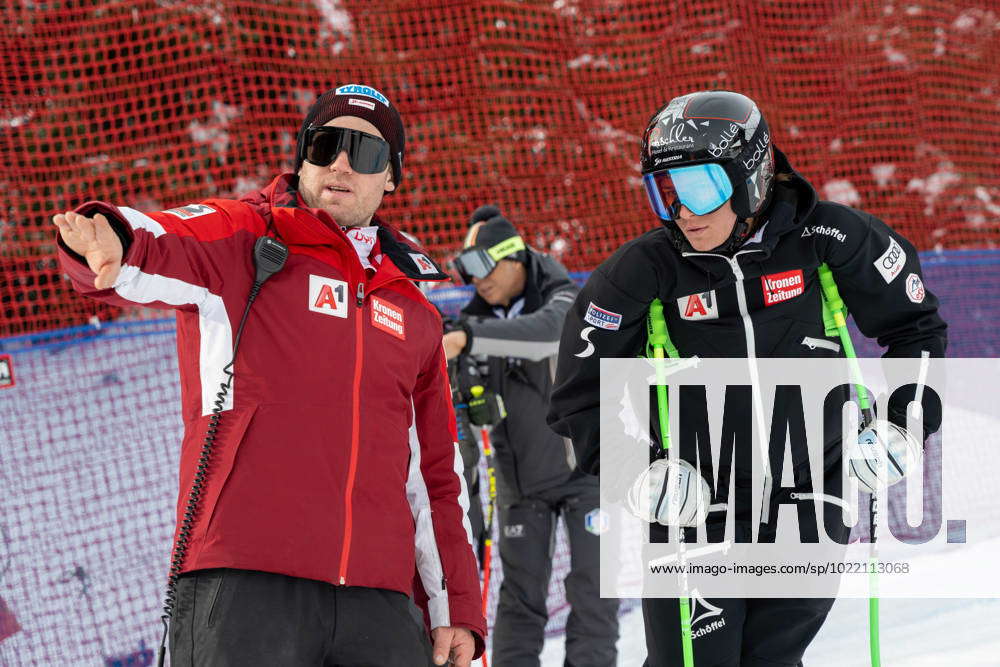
742,229
741,232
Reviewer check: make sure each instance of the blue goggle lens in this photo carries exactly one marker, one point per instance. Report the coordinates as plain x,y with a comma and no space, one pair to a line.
702,188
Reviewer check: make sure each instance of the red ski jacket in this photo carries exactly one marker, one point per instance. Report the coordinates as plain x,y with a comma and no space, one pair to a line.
335,458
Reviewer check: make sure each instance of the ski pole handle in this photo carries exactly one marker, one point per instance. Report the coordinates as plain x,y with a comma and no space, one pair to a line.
657,325
659,340
831,296
658,335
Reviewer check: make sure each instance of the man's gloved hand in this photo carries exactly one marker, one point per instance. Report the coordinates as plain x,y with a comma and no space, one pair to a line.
466,437
883,454
456,337
670,492
485,407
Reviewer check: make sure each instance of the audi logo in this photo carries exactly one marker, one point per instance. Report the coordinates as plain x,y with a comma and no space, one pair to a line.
892,257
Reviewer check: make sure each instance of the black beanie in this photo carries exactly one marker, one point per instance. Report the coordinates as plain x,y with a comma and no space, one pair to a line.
363,102
484,212
488,227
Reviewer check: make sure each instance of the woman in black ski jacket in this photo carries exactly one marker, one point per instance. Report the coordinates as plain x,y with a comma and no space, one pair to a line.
735,266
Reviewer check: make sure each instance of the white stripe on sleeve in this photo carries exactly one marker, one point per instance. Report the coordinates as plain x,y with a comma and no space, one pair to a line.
139,220
215,330
428,557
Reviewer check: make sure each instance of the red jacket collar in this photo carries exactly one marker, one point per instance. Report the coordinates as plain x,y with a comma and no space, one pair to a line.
299,224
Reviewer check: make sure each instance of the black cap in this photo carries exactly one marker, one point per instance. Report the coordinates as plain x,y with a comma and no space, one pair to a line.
485,212
488,228
363,102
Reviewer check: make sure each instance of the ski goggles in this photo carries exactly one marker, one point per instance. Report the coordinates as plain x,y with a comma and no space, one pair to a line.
702,188
367,153
478,262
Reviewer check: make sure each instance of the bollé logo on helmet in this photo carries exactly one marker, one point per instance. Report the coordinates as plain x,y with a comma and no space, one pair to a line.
355,89
729,138
759,150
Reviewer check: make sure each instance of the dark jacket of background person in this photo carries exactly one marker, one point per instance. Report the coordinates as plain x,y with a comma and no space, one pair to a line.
522,354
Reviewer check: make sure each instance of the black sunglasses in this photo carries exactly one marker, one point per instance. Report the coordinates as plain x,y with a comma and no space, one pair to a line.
367,153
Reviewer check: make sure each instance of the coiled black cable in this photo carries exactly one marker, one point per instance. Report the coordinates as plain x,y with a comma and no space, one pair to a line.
269,258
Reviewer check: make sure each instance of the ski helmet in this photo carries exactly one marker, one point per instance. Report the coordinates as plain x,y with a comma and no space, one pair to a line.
706,148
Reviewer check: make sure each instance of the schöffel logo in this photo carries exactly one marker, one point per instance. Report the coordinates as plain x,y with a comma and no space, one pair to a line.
780,287
604,319
356,89
825,231
707,611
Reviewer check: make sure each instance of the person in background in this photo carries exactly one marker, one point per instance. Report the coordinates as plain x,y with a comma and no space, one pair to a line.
513,323
460,377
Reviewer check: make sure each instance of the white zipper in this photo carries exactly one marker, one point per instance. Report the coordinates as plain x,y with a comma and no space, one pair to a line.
751,341
741,296
813,343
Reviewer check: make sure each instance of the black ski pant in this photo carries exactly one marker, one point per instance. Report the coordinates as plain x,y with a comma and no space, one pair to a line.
230,618
745,632
734,632
527,541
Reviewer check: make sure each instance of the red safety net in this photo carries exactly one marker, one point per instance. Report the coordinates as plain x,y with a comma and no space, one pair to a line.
536,106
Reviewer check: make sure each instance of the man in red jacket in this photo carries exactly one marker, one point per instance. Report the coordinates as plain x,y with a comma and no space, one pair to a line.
333,473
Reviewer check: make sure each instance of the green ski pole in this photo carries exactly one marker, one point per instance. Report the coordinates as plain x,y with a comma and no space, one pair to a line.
835,306
661,346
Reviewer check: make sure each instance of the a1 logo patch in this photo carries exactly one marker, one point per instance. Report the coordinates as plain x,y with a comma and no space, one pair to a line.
328,296
700,306
780,287
388,318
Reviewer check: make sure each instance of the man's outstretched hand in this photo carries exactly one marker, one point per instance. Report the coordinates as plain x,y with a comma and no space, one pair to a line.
95,241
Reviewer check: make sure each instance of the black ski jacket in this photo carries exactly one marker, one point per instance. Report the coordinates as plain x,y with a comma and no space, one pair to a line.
521,356
764,300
